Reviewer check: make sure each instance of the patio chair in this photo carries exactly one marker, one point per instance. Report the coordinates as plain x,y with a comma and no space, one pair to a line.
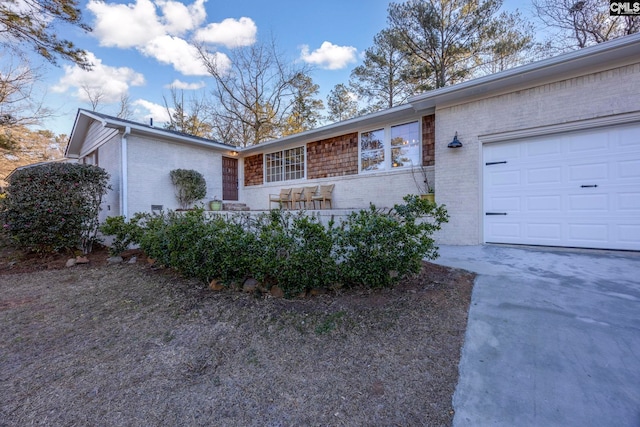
284,198
309,192
296,198
325,196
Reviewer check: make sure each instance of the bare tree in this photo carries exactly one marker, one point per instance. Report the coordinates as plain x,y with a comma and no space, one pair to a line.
254,96
586,22
189,118
95,95
18,104
124,107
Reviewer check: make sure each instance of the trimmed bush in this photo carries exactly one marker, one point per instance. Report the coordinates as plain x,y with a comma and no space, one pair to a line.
190,186
376,248
371,248
296,252
54,206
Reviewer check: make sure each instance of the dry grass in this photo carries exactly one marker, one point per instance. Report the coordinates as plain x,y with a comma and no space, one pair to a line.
128,345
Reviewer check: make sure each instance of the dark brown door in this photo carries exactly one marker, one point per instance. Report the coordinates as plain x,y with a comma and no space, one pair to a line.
229,178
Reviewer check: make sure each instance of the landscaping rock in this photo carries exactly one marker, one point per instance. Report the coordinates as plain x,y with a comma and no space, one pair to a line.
276,292
250,285
82,260
70,262
216,285
114,260
132,260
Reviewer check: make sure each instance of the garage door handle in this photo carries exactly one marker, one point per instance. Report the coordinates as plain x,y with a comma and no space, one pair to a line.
495,213
589,186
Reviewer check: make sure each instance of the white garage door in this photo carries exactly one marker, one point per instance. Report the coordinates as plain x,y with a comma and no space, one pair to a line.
579,189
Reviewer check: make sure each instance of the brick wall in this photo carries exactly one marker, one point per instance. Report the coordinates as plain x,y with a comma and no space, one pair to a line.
429,140
253,170
333,157
458,172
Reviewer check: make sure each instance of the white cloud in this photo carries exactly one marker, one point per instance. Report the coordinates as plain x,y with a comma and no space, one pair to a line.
109,82
153,111
160,29
125,25
179,18
177,52
329,56
177,84
230,33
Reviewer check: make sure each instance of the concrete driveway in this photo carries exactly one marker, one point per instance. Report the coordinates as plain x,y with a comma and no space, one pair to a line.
553,338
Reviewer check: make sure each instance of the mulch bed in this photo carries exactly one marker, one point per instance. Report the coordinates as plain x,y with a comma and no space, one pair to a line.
130,344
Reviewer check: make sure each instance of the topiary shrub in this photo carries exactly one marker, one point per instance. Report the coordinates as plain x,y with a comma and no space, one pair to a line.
54,206
190,186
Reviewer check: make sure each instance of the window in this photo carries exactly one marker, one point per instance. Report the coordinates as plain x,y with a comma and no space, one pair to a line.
391,147
285,165
372,150
405,145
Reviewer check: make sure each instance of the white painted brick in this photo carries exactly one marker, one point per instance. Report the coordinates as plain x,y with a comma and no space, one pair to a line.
457,175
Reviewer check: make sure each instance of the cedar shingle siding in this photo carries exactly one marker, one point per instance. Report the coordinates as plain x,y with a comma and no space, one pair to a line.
253,170
429,140
333,157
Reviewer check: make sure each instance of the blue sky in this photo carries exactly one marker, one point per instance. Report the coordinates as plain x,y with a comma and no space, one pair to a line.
141,47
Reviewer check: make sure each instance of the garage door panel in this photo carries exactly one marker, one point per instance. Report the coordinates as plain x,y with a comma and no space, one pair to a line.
595,143
507,232
629,233
629,169
544,233
589,233
544,175
499,204
629,202
509,178
545,203
580,203
588,171
548,147
576,190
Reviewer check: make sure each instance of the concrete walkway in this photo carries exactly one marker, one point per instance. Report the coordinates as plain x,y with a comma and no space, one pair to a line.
553,338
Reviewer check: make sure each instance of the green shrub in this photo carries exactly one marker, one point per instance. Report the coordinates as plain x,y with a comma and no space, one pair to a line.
371,248
124,233
376,248
54,206
190,186
296,252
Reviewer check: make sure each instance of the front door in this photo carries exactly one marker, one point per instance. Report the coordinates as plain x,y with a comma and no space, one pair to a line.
229,178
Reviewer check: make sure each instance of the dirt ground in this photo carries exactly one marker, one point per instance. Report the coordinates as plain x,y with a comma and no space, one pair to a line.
131,345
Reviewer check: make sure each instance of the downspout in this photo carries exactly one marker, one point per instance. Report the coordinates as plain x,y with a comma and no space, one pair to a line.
124,181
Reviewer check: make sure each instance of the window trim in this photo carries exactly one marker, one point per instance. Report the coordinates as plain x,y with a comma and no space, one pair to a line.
388,167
